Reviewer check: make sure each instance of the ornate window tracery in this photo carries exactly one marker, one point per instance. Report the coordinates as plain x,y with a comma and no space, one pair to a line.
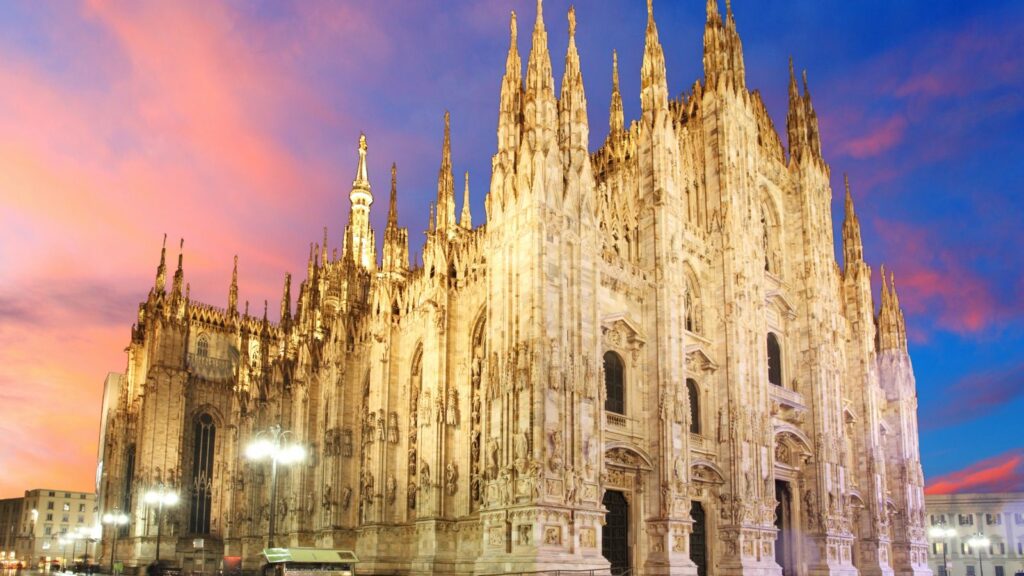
202,474
203,346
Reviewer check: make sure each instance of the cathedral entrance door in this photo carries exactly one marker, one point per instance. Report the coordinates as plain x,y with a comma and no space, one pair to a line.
698,538
615,536
784,522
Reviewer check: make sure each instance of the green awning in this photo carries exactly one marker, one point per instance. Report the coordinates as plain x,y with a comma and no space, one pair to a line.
309,555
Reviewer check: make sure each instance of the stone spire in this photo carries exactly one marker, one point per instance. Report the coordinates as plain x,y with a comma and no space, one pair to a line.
233,291
801,121
653,80
540,84
853,248
574,132
511,96
466,219
286,300
179,274
892,328
396,240
161,270
446,182
359,240
393,201
616,117
723,50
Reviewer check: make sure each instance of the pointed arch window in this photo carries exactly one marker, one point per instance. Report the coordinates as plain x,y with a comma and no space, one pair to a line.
694,395
203,346
774,360
614,383
204,438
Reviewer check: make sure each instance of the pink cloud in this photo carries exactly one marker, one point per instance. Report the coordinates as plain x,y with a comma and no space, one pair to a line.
877,140
1002,473
933,280
976,394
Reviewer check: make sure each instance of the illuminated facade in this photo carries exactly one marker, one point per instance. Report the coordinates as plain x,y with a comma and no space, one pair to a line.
647,358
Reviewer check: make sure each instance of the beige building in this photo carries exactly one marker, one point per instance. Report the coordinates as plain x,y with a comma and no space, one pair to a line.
10,524
48,520
999,517
648,358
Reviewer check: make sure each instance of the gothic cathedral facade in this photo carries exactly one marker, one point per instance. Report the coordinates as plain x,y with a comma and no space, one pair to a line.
648,358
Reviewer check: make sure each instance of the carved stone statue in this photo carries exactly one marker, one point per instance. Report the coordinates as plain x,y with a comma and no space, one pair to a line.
451,478
451,415
391,488
393,428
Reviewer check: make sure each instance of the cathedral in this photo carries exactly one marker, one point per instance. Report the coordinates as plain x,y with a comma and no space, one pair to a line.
648,361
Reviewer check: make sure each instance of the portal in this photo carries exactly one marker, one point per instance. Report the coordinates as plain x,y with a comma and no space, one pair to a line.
615,536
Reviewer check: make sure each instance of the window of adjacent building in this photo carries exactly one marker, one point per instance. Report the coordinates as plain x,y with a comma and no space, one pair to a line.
993,519
63,529
964,549
965,519
49,516
67,507
970,570
774,360
205,433
942,571
48,530
1020,548
67,494
1002,548
614,383
52,494
999,571
203,346
64,518
694,395
81,519
49,505
81,507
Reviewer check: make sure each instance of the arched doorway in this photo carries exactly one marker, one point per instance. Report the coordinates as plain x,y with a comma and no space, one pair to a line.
784,523
615,536
698,538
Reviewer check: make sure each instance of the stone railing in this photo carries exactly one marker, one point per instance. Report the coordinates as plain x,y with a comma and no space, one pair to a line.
786,397
208,368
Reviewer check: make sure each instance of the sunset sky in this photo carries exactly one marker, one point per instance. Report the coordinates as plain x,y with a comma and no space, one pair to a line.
235,125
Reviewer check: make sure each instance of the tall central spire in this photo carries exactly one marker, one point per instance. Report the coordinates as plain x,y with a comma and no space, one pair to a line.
359,241
511,94
616,116
446,182
539,103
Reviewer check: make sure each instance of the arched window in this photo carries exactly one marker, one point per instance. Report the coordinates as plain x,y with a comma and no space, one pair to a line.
205,433
691,304
614,383
694,395
774,360
203,346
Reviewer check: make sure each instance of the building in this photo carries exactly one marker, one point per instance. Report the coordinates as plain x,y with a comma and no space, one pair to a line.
647,358
10,522
56,525
999,517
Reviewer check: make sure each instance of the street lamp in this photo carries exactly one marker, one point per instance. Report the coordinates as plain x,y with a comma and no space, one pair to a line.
114,519
270,444
979,541
944,533
73,537
160,496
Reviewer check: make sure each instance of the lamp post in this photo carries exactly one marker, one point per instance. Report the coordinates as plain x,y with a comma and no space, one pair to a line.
115,520
271,444
979,541
944,533
161,496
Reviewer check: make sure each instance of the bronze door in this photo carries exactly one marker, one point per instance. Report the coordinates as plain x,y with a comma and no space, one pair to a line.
615,537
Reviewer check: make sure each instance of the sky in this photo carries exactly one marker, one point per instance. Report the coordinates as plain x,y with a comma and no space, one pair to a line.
234,125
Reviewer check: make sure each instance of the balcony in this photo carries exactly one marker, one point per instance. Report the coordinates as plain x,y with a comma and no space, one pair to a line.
212,369
623,425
